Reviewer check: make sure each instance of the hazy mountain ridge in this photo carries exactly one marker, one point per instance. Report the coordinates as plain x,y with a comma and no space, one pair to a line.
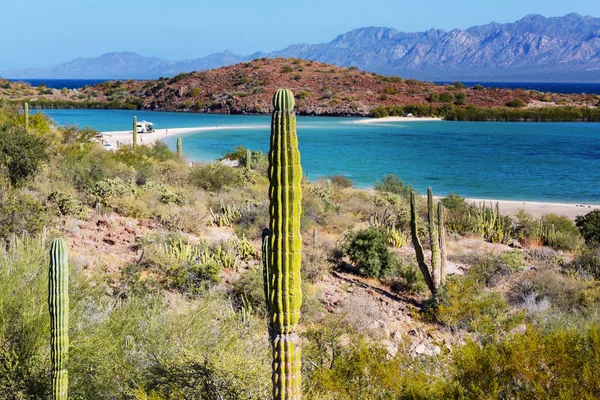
533,48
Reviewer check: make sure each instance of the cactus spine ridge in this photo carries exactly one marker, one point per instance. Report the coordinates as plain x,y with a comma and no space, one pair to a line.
58,306
282,249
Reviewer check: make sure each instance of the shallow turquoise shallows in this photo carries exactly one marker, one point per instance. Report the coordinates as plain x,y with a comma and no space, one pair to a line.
522,161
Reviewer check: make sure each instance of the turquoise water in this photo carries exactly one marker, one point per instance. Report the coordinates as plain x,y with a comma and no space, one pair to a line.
522,161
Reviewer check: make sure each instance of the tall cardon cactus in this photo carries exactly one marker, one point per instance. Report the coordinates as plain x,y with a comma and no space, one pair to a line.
58,305
436,275
179,147
134,132
282,249
26,112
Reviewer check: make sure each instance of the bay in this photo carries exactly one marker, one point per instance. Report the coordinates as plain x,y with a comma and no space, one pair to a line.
557,162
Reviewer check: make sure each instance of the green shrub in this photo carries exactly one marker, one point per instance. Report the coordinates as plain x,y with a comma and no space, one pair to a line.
213,177
20,214
587,262
463,304
368,250
21,154
67,204
516,103
105,190
393,184
559,232
589,226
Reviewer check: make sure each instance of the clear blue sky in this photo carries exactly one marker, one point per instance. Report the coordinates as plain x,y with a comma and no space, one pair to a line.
37,33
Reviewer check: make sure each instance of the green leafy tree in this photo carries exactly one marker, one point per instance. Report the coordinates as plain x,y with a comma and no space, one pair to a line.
589,226
21,154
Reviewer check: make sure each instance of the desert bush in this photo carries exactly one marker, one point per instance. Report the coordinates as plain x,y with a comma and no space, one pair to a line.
67,204
589,226
516,103
187,267
464,305
341,181
559,232
499,370
103,191
368,250
564,293
21,213
587,262
21,154
405,276
393,184
213,177
316,260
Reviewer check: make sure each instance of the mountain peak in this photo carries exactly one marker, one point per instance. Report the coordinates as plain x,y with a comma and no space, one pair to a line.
533,48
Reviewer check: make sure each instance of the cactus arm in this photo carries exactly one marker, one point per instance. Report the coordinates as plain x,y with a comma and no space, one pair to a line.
433,239
58,306
134,132
442,236
285,252
248,159
417,245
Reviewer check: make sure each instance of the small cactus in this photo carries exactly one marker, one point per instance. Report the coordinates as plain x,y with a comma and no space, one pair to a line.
58,305
282,249
179,147
26,112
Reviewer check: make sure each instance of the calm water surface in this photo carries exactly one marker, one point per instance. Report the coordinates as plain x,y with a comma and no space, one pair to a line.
521,161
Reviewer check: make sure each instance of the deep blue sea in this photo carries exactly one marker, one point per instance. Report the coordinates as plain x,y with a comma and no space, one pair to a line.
554,87
557,162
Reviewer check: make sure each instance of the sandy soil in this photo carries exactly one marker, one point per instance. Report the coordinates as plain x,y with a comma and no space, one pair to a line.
538,209
397,119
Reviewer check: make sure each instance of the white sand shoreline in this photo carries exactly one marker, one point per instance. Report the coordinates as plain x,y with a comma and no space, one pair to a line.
126,137
539,208
397,119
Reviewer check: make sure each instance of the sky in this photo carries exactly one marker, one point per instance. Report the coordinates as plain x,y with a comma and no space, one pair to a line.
39,33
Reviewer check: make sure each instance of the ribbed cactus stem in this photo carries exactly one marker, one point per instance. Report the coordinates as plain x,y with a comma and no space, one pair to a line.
283,249
134,132
414,230
26,112
433,239
442,229
179,147
58,305
248,159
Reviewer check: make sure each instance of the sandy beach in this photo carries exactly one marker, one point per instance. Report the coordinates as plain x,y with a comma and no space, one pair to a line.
397,119
535,208
126,137
538,209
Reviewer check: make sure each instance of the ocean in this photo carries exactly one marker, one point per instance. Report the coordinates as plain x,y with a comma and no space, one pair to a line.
555,162
554,87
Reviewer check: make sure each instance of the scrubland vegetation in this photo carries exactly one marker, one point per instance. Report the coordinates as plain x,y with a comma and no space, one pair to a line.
178,310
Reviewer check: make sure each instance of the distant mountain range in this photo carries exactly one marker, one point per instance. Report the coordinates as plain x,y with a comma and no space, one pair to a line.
534,48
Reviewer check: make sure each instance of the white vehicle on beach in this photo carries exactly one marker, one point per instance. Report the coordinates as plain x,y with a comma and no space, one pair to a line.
109,147
144,127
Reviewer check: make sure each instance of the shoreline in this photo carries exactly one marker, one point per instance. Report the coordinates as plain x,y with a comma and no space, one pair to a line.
397,119
126,137
539,208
